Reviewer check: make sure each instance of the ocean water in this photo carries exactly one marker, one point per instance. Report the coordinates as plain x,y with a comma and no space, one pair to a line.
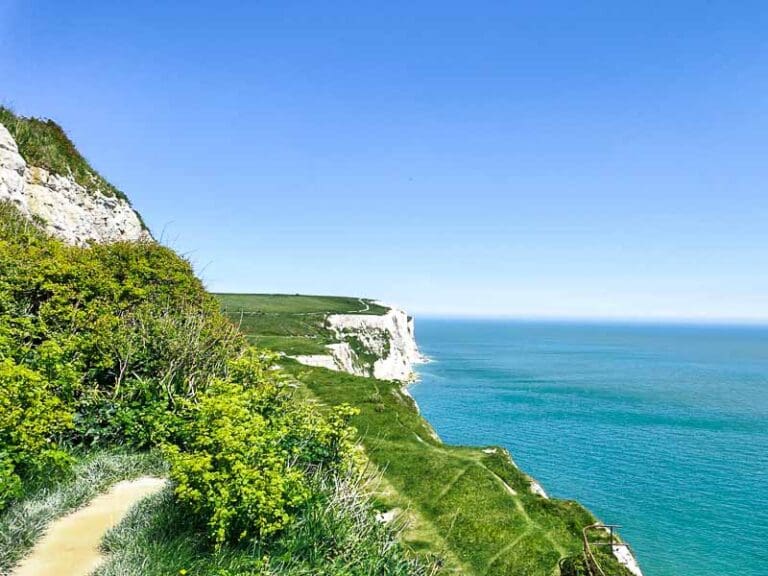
661,429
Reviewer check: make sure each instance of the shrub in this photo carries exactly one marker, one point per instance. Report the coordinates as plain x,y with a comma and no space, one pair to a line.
114,335
31,418
245,450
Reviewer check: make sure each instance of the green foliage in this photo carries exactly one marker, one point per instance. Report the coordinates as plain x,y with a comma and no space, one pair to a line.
574,566
245,451
121,345
335,534
121,332
44,144
98,345
366,358
31,419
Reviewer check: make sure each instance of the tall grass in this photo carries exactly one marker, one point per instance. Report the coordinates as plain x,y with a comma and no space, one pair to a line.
337,535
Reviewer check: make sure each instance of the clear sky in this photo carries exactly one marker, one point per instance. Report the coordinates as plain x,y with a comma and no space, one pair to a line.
569,159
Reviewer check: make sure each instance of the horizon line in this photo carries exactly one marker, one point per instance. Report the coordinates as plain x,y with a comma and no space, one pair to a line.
675,320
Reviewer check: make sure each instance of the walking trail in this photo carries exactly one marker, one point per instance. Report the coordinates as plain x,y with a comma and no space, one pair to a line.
70,545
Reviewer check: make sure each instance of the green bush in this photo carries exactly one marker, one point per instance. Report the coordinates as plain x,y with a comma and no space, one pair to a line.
245,452
120,344
116,336
31,419
120,331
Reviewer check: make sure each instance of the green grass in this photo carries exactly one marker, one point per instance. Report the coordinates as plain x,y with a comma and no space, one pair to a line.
336,536
291,345
298,304
296,324
458,500
460,497
44,144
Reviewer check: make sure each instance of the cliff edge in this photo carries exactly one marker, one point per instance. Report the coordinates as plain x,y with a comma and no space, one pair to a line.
78,212
382,346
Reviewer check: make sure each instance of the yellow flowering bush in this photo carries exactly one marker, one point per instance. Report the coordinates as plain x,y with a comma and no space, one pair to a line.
245,452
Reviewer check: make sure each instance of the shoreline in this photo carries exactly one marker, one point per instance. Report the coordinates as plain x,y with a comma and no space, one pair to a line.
621,551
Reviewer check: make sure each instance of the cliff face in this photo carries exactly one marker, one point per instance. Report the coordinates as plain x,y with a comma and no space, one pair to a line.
382,346
66,209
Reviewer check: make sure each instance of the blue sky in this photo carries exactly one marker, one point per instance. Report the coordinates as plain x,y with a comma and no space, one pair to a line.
556,159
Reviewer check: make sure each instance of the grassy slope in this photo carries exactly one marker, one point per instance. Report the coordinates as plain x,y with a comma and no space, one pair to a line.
459,499
298,304
294,324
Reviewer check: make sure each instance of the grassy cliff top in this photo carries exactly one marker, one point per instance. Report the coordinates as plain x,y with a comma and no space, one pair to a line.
291,323
299,304
44,144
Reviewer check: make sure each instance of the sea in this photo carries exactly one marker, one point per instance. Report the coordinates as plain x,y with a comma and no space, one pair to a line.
660,429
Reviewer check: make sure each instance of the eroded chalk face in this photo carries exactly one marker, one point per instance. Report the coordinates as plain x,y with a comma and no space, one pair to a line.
66,209
382,346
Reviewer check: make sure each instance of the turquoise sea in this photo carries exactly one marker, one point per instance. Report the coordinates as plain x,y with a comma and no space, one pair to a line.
662,429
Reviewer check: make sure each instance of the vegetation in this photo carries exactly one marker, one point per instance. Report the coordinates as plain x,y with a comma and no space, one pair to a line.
24,520
44,144
296,324
245,450
470,506
120,347
298,304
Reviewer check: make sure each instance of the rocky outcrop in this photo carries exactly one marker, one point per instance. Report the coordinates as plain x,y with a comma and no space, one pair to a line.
624,556
64,208
382,346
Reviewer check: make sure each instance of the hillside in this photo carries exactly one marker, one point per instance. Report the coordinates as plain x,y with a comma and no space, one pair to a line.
472,506
44,176
294,324
353,335
116,364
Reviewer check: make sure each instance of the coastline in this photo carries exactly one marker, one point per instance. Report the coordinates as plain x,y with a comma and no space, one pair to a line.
467,503
621,551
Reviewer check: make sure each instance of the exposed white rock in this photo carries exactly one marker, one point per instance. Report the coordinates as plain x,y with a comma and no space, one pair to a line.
66,209
624,555
386,517
340,358
536,488
12,169
389,337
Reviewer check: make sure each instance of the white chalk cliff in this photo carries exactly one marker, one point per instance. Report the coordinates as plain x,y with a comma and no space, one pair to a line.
65,208
388,338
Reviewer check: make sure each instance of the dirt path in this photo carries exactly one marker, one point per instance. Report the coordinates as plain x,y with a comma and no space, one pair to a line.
70,545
